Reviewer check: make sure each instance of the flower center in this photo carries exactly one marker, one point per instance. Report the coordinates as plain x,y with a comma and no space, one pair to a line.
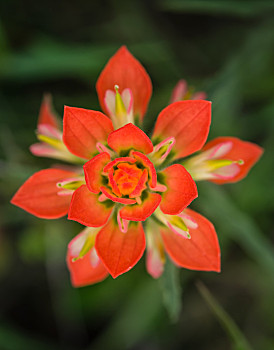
127,177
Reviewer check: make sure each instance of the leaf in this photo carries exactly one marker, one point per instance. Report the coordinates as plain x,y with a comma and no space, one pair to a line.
238,338
171,290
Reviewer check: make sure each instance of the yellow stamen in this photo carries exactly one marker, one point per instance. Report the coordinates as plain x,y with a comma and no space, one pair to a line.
120,109
73,185
215,164
57,144
178,222
88,245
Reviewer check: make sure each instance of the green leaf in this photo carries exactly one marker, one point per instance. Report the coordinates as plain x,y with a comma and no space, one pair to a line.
171,289
237,337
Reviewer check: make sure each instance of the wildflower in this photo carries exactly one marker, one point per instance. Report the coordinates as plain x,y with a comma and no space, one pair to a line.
130,193
182,92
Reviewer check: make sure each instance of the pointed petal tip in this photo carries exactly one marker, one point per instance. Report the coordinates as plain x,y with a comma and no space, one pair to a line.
46,113
123,49
39,194
126,71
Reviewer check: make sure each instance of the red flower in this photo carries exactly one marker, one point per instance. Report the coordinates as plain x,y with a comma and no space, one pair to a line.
127,178
122,182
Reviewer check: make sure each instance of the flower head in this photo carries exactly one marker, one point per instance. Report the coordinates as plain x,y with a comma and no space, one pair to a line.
132,192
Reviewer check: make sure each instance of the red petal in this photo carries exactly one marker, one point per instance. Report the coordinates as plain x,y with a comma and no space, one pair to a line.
249,152
201,252
130,137
109,194
188,122
126,72
181,190
141,185
141,212
83,128
46,115
93,170
38,195
82,273
150,167
119,160
86,208
120,251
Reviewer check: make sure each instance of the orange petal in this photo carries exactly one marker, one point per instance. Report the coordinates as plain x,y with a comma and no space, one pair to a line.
86,208
140,212
39,194
188,122
141,185
110,195
46,114
130,137
83,128
126,72
249,152
201,252
181,189
118,160
93,170
120,251
150,167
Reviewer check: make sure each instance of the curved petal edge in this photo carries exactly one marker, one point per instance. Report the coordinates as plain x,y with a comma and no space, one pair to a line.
120,251
201,252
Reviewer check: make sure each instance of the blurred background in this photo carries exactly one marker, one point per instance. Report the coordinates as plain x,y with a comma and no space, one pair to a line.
225,48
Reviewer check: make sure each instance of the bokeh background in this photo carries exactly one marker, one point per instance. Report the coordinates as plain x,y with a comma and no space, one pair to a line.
225,48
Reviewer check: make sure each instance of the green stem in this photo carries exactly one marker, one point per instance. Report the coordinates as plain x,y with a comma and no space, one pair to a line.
238,338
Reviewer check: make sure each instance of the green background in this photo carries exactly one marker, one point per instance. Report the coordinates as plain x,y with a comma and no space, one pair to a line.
225,48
